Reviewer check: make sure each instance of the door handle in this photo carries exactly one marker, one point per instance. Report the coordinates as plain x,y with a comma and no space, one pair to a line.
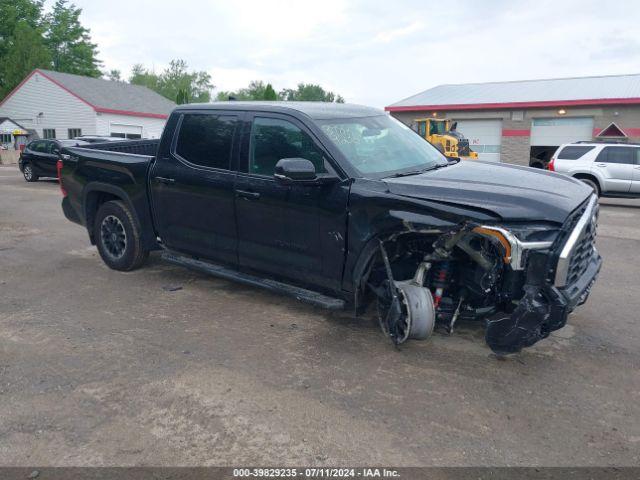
166,181
247,195
601,164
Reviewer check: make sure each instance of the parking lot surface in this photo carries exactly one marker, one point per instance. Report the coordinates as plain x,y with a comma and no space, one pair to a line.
163,366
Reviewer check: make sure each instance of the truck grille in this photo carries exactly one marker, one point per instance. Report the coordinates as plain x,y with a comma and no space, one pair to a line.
579,248
584,249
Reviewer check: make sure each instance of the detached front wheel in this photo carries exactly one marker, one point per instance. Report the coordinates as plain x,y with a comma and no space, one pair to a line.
118,237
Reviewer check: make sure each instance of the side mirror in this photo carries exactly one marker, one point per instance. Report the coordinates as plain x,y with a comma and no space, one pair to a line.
295,170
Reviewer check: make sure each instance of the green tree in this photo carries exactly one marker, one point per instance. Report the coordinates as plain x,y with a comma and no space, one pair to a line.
309,92
196,85
182,97
27,52
255,91
26,13
69,42
270,93
114,75
144,77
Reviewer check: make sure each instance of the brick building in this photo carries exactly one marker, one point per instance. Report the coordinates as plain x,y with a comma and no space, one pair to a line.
523,122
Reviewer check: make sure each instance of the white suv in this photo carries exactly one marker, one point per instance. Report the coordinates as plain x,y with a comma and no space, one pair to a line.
611,169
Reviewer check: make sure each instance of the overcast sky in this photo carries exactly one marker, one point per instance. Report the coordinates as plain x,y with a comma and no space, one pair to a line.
370,52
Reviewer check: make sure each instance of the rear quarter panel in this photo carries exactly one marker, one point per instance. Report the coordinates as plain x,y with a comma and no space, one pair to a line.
87,172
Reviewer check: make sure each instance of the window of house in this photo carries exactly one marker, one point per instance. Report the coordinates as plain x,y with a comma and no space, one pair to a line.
5,138
273,139
74,132
206,140
48,133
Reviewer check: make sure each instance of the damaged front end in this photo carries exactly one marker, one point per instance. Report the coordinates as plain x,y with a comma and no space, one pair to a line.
523,281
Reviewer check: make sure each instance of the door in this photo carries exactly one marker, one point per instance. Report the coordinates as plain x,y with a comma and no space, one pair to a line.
614,165
192,187
553,132
485,137
297,232
50,158
635,181
122,130
43,160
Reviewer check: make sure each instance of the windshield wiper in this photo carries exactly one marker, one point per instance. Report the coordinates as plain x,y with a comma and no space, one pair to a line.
406,174
422,170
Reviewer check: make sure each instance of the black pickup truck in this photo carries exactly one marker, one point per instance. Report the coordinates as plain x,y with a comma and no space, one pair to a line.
343,206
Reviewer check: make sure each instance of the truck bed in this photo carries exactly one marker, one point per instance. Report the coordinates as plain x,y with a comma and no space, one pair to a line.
139,147
118,170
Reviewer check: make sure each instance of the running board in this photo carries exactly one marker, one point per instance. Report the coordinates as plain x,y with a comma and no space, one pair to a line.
306,296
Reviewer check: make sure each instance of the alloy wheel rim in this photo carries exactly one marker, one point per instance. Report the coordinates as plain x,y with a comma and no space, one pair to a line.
28,173
114,236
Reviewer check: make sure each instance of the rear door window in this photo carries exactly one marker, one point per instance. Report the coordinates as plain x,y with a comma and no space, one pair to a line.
206,140
574,152
620,155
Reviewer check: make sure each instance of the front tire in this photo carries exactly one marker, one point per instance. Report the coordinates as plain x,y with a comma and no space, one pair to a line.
118,237
28,173
594,186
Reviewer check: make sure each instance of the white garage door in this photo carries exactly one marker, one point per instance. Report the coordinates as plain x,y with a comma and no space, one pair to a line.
484,137
126,130
556,131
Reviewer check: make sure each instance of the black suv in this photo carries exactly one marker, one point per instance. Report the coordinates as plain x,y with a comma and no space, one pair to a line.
40,156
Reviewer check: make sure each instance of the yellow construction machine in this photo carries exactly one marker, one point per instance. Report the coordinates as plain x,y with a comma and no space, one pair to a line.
442,134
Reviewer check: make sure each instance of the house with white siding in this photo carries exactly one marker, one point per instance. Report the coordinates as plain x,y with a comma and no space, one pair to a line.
61,105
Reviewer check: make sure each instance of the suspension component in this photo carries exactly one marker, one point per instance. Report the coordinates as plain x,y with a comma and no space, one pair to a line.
441,278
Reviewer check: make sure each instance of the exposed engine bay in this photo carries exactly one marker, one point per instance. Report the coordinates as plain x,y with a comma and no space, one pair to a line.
426,279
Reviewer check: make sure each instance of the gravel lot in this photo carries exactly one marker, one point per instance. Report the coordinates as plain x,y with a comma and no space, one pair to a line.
99,367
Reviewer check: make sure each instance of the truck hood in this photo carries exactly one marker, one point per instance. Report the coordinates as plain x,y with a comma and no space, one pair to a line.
514,193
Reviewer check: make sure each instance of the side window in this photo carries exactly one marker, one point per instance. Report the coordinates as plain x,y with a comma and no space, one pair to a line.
52,147
623,155
273,139
573,152
206,139
40,147
637,156
422,129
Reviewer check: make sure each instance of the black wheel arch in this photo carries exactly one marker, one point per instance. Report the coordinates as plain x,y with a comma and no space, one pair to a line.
97,193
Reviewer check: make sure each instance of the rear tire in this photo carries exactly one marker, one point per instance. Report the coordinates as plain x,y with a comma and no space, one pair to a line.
29,175
594,186
118,237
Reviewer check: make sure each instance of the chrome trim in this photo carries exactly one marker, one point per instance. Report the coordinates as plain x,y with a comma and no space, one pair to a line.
518,248
562,268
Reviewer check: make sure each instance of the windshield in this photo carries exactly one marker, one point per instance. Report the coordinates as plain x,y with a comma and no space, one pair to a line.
381,146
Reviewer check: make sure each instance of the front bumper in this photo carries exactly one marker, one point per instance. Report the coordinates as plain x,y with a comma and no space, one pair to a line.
543,308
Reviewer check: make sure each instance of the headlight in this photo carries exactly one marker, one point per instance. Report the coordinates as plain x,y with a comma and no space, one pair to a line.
513,248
